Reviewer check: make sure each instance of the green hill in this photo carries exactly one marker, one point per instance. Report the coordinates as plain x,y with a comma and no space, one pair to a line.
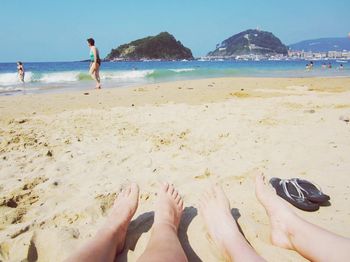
248,42
163,46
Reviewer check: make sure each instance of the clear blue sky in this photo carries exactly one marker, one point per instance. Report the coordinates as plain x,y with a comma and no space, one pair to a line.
48,30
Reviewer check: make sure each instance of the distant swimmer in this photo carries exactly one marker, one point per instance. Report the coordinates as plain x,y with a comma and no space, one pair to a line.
95,62
20,70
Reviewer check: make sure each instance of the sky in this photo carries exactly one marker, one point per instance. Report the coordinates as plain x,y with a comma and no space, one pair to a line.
56,30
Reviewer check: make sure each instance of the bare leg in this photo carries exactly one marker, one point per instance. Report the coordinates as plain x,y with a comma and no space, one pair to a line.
292,232
95,74
164,244
110,239
214,208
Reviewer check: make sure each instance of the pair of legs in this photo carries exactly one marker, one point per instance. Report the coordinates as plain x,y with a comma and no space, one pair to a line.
95,74
21,77
287,229
164,244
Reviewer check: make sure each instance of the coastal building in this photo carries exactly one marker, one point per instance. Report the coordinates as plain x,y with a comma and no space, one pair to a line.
297,54
334,54
308,55
292,55
346,54
320,55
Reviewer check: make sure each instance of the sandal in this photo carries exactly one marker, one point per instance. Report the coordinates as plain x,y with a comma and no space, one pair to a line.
311,191
290,191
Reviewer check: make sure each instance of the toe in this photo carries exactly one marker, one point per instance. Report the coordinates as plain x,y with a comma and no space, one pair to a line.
121,192
260,178
171,190
165,186
175,194
134,189
213,191
181,204
219,191
204,198
177,199
126,191
207,195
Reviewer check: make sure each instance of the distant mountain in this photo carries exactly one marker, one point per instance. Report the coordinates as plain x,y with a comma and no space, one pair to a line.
323,45
163,46
251,41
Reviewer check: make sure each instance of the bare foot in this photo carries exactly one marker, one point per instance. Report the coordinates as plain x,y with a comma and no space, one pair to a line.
122,212
214,208
169,207
278,211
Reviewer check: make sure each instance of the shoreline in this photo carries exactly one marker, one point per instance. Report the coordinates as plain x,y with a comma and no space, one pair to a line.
81,87
207,90
63,158
60,76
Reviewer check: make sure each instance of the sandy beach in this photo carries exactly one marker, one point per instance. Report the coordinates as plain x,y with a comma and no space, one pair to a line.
63,158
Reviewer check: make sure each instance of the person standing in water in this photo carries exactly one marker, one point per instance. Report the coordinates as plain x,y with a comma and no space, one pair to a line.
311,65
95,62
20,70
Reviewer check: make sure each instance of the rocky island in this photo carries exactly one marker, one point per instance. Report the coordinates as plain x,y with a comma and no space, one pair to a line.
250,42
163,46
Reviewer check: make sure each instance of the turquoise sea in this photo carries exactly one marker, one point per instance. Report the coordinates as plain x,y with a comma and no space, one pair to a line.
62,76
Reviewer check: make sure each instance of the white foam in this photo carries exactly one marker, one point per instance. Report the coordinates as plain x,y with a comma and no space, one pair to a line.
120,75
59,77
4,89
182,70
7,79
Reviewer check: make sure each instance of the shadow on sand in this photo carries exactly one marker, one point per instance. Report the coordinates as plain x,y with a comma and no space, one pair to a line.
144,222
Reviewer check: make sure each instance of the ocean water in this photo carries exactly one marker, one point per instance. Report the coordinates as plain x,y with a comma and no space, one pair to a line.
62,76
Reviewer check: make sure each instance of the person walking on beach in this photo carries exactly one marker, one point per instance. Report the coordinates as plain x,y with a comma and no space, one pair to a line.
20,70
95,62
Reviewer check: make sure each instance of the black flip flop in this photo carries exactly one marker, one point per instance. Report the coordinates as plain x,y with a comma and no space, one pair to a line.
290,192
312,192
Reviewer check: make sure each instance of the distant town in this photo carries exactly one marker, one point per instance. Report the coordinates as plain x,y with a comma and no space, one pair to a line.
319,55
292,55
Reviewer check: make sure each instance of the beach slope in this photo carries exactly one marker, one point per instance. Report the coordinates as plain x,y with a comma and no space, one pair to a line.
64,157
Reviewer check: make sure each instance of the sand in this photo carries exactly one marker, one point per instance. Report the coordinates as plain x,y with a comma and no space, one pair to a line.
63,158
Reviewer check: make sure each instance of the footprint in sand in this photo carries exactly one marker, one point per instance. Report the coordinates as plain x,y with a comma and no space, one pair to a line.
14,205
106,201
206,174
